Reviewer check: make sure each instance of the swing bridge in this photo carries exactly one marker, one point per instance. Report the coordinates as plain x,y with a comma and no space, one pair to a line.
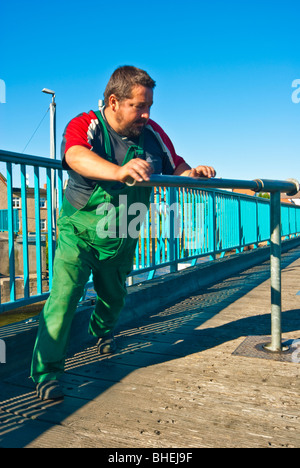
214,280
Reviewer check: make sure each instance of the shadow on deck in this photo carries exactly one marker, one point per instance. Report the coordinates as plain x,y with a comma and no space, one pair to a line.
173,381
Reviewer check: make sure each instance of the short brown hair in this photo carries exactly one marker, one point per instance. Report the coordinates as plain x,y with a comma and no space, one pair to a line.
124,79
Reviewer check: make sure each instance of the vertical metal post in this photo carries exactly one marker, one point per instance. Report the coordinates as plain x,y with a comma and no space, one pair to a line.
11,245
38,230
53,128
275,265
173,228
24,231
50,227
53,156
213,225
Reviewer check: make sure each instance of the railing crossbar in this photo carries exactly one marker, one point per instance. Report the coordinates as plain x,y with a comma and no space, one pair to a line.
290,186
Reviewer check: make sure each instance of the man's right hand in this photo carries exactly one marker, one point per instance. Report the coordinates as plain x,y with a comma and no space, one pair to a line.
91,165
136,169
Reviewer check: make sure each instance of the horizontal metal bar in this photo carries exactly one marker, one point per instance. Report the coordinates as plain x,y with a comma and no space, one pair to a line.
290,186
17,158
7,306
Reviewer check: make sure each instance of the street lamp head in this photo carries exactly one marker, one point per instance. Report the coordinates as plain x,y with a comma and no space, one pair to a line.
48,91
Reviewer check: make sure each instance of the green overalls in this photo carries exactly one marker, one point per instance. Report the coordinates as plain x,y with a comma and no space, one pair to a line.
82,248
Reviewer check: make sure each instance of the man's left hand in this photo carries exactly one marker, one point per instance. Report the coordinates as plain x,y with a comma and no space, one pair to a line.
203,171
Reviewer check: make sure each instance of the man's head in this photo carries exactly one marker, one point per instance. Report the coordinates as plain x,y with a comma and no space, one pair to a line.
128,97
123,80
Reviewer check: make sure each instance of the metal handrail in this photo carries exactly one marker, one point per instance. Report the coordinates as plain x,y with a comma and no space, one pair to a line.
28,159
274,187
290,186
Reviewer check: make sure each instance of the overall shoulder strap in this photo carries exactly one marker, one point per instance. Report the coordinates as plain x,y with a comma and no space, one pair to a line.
105,134
139,149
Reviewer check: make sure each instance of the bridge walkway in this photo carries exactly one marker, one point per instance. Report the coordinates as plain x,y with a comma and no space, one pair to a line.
189,375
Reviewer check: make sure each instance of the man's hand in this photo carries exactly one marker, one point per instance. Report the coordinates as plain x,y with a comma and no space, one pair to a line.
200,171
203,171
89,164
136,169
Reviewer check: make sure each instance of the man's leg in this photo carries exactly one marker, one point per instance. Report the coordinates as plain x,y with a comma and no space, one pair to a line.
109,284
71,272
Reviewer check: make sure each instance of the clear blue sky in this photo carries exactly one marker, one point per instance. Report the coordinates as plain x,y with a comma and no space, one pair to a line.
224,71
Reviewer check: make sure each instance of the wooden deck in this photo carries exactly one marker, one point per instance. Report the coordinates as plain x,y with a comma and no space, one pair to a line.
191,375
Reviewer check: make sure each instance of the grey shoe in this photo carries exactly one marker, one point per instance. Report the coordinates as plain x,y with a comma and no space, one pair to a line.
107,344
49,390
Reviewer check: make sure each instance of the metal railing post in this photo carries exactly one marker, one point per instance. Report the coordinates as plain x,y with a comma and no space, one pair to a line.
172,228
11,244
275,267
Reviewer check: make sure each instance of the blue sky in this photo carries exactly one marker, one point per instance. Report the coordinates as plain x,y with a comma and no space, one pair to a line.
224,73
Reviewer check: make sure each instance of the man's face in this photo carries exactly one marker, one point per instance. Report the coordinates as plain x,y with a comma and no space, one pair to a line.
132,114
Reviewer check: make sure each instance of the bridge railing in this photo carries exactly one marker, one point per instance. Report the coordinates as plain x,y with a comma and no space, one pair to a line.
26,256
187,224
189,220
274,221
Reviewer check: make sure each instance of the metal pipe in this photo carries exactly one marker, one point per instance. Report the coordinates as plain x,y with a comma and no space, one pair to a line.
28,159
290,186
53,128
53,156
275,267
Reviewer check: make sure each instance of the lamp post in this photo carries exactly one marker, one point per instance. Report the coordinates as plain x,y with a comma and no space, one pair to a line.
52,122
52,222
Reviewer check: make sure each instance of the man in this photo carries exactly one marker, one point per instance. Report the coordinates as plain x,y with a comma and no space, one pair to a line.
101,151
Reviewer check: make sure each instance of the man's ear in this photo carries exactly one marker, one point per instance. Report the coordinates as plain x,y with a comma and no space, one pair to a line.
113,102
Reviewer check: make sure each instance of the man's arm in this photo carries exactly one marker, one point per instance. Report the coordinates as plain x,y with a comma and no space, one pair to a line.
88,164
200,171
181,167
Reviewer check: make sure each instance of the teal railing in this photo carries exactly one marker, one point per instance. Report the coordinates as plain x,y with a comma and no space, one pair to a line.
188,221
4,221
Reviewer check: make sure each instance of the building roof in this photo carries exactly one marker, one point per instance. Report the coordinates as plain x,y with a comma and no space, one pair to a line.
245,191
29,191
3,178
289,197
